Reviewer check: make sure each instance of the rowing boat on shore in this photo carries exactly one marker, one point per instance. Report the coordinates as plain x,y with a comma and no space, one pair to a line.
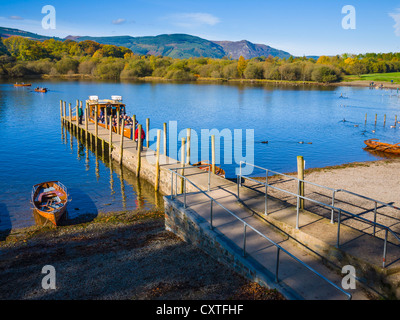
50,200
383,147
205,165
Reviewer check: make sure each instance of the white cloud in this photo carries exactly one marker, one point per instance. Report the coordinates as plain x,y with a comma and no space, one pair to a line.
15,18
396,17
189,20
119,21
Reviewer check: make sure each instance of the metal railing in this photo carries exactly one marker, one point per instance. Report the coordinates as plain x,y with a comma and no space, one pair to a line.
245,227
332,206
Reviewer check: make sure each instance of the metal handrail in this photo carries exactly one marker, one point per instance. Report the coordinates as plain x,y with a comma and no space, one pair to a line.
245,226
332,207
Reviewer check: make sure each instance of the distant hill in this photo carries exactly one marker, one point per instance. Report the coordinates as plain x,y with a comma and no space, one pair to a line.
171,45
9,32
250,50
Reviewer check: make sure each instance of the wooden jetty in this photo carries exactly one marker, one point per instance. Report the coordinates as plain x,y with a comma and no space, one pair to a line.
106,139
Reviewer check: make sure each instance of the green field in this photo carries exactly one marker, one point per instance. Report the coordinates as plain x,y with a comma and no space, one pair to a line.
376,77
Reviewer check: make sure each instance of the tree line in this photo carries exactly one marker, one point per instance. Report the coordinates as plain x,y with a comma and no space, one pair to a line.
21,57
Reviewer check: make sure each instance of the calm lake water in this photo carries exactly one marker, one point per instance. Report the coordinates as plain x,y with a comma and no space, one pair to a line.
34,148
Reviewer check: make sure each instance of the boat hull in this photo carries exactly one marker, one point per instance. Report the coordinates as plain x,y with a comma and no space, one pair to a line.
383,147
50,200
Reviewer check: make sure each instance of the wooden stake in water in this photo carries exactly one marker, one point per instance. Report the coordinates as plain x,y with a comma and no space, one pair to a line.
61,111
156,184
213,154
395,121
139,150
65,111
300,176
376,118
384,120
365,118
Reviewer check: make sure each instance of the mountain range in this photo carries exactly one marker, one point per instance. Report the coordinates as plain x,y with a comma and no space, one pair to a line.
172,45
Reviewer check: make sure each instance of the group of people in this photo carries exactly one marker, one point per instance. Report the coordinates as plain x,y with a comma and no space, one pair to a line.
128,124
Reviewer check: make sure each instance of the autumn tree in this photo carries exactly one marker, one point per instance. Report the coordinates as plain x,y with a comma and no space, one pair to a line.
242,64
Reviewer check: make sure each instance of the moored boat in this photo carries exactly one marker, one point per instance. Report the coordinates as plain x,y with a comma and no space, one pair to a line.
383,147
106,108
22,84
44,90
206,166
50,200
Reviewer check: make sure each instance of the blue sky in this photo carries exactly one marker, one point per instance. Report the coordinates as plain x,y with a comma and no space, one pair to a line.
302,27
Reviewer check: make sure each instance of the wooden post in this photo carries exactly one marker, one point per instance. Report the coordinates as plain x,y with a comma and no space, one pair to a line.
86,122
139,150
96,127
395,121
61,111
365,118
65,111
182,162
213,153
122,141
110,143
118,120
188,146
165,138
300,176
384,120
77,115
133,126
156,184
147,132
70,114
376,118
81,105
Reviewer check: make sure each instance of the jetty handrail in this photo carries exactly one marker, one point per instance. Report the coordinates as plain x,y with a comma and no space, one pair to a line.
332,207
246,225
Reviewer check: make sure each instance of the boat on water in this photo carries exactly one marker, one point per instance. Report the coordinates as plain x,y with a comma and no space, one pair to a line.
383,147
206,166
50,200
22,84
44,90
106,108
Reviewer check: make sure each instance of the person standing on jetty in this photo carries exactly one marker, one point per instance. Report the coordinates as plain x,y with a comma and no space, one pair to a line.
143,135
80,114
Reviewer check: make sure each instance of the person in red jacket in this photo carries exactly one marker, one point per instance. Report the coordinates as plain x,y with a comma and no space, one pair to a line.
143,135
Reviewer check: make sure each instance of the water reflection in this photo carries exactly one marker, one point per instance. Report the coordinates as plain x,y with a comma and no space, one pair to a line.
83,207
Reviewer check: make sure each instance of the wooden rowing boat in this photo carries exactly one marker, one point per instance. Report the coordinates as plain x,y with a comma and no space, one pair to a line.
22,84
44,90
205,165
383,147
50,200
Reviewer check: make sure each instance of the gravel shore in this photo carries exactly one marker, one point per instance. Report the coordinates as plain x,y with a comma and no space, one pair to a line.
117,256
